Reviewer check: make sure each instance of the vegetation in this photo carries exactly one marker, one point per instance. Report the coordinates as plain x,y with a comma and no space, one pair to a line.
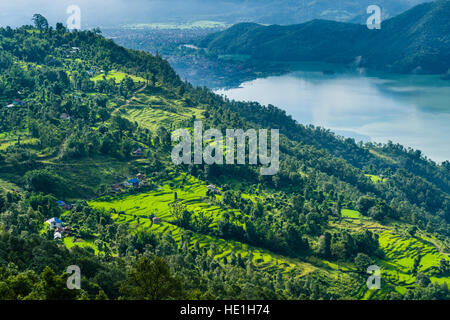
415,41
88,115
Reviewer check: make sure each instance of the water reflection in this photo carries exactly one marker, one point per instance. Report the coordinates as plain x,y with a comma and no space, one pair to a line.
412,110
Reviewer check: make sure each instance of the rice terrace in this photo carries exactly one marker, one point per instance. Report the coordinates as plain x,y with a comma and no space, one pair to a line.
122,180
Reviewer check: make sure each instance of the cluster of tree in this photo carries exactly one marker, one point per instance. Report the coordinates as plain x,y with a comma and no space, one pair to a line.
33,267
345,246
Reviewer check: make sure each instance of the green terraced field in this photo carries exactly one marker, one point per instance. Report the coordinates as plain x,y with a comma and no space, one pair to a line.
347,213
397,267
117,76
192,193
400,252
10,139
224,248
151,110
90,173
69,243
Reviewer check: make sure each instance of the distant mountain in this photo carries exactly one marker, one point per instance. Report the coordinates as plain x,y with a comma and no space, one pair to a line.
417,40
118,12
298,11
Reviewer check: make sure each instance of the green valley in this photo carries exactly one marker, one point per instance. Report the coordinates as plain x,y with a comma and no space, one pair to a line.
87,179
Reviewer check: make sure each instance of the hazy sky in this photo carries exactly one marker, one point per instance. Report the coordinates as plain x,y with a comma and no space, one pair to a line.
115,12
93,12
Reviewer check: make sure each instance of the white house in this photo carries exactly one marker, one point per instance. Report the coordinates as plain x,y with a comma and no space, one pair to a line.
64,116
213,188
54,223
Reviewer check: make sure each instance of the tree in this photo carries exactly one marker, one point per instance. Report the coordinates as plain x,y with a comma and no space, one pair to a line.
101,295
163,135
338,250
150,217
55,287
412,231
180,214
362,262
122,124
444,266
201,222
44,181
416,264
364,204
150,279
40,22
60,28
422,280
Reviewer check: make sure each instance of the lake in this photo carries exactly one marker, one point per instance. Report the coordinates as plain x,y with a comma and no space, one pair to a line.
413,110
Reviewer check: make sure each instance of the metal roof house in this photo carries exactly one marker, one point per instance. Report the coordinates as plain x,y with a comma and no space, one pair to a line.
54,223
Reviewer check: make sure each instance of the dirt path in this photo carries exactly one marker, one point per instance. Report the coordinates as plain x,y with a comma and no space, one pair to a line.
127,102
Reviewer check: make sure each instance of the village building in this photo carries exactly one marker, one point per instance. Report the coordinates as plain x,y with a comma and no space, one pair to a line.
18,102
64,116
63,230
138,152
213,189
141,177
116,188
54,223
156,220
15,103
64,205
134,182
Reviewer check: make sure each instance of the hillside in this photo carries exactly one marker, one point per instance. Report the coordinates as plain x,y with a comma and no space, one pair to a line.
81,117
414,41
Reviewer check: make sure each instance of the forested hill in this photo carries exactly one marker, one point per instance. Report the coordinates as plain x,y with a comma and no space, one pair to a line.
87,122
417,40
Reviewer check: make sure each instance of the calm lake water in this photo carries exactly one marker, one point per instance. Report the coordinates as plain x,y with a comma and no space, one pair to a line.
413,110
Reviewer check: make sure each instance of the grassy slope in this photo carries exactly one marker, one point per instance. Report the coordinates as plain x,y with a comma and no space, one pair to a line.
400,249
117,76
192,193
152,107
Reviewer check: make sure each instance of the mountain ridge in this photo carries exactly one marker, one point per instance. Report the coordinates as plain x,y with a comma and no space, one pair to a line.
416,41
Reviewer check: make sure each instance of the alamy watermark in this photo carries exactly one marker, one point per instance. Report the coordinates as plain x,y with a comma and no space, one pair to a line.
374,21
374,281
74,280
74,19
213,152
